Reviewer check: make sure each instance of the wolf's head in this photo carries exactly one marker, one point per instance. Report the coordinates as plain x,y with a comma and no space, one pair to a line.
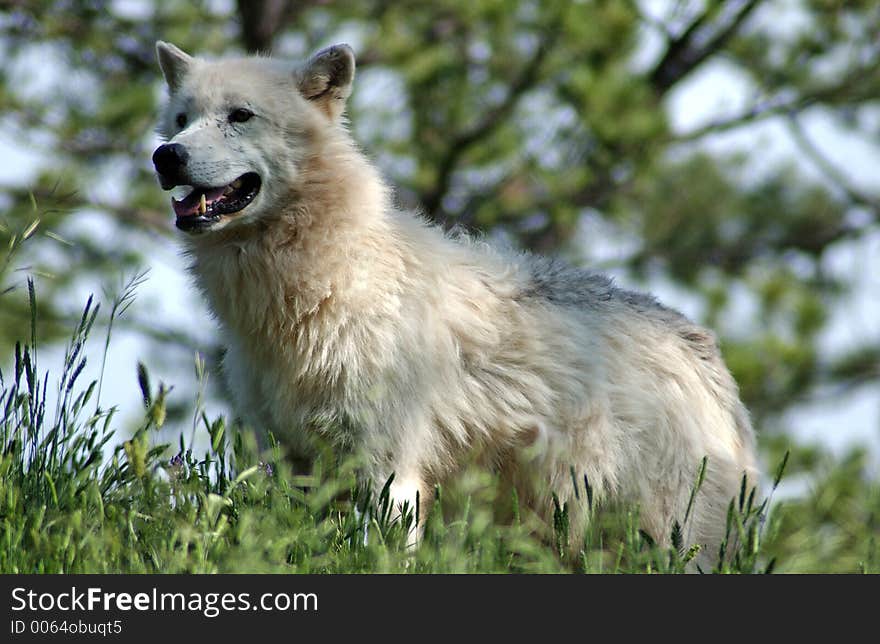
239,131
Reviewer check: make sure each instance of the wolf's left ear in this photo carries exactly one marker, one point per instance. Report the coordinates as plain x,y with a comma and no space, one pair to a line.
326,78
175,63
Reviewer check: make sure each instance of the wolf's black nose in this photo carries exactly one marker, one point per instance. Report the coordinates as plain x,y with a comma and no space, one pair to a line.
169,159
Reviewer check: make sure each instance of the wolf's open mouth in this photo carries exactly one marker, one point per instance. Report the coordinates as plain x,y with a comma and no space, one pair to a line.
205,205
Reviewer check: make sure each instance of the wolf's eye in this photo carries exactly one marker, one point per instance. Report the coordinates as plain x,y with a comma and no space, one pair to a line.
181,120
240,115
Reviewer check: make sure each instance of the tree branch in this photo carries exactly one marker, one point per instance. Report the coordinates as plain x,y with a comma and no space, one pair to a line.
760,110
491,120
848,88
676,48
827,168
683,55
261,20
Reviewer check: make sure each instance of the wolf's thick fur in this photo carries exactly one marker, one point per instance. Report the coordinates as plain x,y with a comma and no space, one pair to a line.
347,319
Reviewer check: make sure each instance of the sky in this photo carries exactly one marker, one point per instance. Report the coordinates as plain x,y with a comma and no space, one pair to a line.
715,90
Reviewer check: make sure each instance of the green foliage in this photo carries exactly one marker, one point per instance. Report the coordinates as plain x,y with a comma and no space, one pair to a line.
834,526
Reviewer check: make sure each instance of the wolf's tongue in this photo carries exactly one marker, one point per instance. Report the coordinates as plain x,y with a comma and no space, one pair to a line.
189,205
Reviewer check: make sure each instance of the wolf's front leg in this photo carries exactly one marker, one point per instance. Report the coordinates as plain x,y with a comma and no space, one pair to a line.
408,447
406,502
410,491
408,497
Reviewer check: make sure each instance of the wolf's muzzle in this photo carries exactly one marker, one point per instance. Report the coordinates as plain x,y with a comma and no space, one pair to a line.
169,159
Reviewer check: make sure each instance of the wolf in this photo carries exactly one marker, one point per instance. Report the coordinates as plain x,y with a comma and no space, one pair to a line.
349,322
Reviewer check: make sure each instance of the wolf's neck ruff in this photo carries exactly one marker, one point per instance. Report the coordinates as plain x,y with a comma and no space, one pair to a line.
331,236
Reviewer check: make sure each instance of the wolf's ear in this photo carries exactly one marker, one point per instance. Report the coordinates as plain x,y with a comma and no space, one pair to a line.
326,78
174,63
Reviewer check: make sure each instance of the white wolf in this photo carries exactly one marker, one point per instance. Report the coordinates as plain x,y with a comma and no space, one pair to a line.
348,321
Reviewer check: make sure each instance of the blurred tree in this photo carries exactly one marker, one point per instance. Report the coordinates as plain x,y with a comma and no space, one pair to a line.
524,119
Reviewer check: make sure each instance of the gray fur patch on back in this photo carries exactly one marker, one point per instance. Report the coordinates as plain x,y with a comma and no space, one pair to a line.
564,285
560,284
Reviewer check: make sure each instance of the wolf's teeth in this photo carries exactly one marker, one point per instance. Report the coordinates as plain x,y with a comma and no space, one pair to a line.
181,192
203,205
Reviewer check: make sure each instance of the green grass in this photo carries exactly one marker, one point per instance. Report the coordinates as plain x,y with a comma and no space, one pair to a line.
76,499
